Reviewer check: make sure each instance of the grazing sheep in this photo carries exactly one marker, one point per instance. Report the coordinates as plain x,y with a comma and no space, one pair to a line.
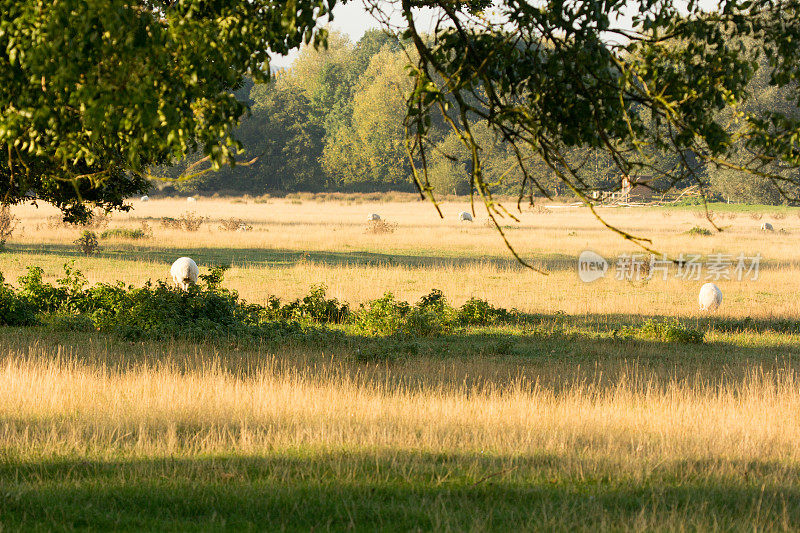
191,199
710,297
463,216
184,272
766,226
145,198
374,216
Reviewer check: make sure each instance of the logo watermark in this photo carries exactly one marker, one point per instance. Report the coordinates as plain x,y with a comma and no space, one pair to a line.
591,266
689,267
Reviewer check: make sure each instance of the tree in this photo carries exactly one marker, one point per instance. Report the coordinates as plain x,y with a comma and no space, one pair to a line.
284,142
135,84
146,82
370,147
551,77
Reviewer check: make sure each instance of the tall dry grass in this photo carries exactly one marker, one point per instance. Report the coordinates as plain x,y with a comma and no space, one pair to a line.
58,402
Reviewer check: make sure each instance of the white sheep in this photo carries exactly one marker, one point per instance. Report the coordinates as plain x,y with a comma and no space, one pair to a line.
710,297
145,198
184,272
464,216
766,226
374,217
191,199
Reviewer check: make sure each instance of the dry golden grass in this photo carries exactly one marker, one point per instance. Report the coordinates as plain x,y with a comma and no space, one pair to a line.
295,246
578,433
64,405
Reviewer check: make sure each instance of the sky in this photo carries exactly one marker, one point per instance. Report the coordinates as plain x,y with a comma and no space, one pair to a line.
351,19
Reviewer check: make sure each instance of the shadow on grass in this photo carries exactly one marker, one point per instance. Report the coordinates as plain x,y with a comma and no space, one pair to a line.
547,357
282,257
394,490
605,321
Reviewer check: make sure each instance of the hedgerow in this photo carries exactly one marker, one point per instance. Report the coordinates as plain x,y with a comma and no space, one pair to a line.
210,311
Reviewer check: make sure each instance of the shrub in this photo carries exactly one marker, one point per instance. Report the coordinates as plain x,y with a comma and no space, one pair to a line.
665,331
477,312
191,221
314,306
125,233
430,317
697,230
235,224
14,310
170,223
778,216
429,321
87,243
188,221
69,322
756,216
384,316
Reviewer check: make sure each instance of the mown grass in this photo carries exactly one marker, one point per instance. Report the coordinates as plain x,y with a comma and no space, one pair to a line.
366,491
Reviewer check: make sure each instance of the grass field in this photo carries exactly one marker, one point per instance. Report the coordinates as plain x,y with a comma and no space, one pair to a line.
558,423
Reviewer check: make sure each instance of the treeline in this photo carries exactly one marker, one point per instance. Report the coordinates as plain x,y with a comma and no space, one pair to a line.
334,122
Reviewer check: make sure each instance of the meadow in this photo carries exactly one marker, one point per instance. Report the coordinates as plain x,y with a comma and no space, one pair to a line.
562,421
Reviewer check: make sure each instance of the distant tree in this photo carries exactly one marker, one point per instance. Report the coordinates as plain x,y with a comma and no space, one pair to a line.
371,148
554,76
142,83
282,146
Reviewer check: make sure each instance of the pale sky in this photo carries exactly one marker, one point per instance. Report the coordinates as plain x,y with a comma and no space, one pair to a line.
351,19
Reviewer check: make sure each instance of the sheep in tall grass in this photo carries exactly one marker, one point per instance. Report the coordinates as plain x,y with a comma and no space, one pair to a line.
191,199
374,217
766,226
464,216
145,198
184,272
710,297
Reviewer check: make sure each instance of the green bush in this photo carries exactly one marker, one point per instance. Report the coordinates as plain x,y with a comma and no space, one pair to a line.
697,230
477,312
430,317
14,310
315,306
384,316
125,233
207,310
665,331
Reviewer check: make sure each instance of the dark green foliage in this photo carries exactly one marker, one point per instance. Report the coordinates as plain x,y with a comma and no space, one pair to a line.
209,311
477,312
14,309
68,322
158,311
314,306
135,84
